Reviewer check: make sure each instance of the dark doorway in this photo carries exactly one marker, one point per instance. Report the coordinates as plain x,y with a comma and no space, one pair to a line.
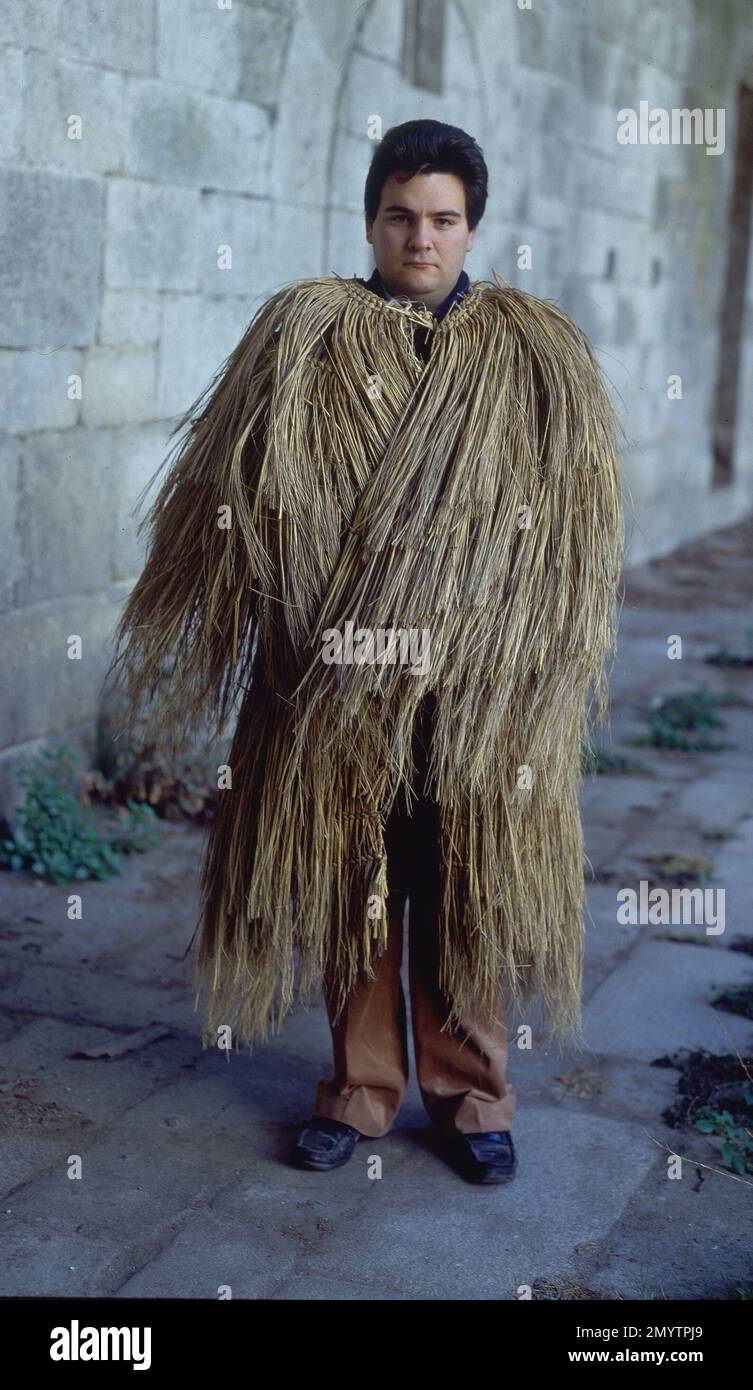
733,301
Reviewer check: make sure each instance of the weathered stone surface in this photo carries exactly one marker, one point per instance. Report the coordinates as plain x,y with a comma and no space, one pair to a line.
238,52
627,1016
236,245
51,231
49,692
215,325
151,236
75,116
65,506
129,316
119,385
11,84
113,36
39,389
137,453
181,136
10,536
15,28
382,33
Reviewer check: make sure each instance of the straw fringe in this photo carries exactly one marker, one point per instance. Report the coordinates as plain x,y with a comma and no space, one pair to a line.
367,486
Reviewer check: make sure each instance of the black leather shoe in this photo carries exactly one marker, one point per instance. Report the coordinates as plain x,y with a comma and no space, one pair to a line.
488,1156
325,1143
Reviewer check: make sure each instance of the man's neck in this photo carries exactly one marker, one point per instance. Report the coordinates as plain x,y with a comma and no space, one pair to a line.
378,285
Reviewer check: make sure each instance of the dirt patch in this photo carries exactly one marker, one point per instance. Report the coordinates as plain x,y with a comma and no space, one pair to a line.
546,1290
706,1079
717,563
22,1113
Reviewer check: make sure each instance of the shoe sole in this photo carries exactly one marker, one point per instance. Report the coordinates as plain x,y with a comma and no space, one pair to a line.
305,1160
493,1178
487,1174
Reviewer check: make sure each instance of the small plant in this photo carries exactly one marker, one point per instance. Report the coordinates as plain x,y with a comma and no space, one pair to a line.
737,1146
682,722
141,764
719,832
61,840
688,938
681,869
716,1098
737,999
725,656
606,762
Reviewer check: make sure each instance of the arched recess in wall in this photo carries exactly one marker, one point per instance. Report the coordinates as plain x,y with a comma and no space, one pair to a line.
735,342
389,41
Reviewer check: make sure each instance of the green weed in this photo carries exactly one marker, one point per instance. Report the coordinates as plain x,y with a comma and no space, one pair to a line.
57,837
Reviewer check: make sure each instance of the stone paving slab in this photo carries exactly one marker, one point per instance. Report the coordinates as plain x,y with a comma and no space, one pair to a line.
659,999
366,1234
92,997
160,906
300,1288
705,1217
211,1252
725,799
35,1262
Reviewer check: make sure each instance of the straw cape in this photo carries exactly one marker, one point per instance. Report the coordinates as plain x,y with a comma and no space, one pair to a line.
329,476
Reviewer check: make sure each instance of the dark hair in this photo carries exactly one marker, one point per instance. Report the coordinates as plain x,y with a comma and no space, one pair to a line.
423,146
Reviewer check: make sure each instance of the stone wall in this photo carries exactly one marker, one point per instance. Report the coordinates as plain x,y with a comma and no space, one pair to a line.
247,127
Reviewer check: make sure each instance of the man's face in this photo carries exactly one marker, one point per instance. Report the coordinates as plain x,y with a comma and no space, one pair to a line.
421,220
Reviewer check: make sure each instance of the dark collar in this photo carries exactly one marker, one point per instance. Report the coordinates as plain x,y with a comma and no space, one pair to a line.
460,288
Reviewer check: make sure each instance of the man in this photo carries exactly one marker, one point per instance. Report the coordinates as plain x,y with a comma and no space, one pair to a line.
415,454
420,235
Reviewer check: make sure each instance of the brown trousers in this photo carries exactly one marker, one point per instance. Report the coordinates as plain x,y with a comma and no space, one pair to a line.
461,1073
